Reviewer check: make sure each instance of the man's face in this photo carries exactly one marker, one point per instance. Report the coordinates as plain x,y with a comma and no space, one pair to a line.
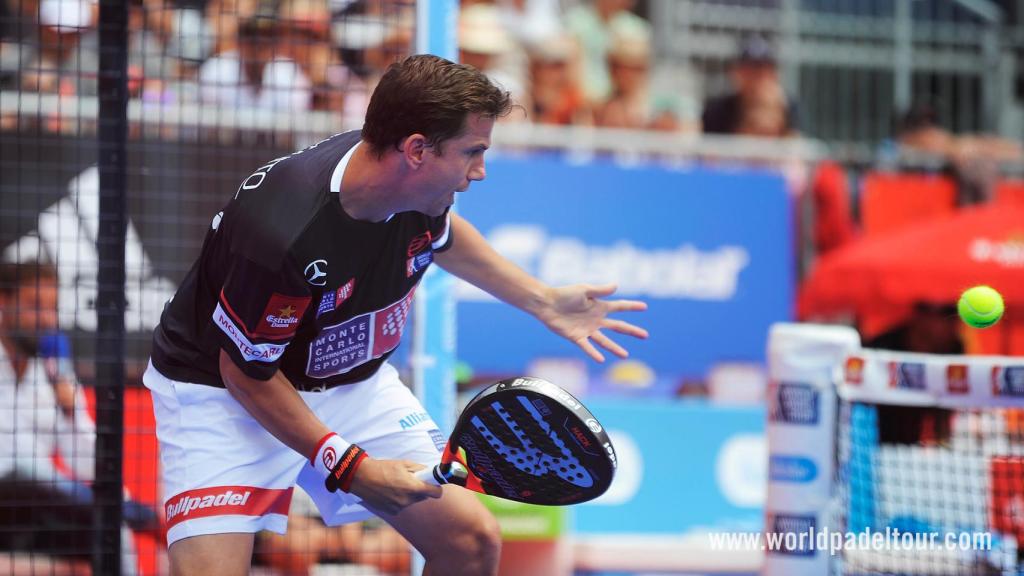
460,162
751,77
628,74
30,311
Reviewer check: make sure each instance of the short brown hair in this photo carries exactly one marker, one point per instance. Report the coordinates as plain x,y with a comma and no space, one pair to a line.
426,94
13,275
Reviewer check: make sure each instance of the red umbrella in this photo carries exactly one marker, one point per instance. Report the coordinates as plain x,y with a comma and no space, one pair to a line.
928,262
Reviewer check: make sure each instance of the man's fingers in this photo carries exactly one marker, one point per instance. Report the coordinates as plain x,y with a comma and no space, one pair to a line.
432,490
600,291
624,328
626,305
590,350
609,344
412,466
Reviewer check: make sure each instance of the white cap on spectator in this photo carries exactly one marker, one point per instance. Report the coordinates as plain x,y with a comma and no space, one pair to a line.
67,16
558,48
360,31
630,42
481,30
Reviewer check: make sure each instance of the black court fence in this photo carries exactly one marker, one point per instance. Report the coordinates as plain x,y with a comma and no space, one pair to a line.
125,125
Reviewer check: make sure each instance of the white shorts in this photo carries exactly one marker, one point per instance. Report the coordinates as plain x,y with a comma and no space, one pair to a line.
223,472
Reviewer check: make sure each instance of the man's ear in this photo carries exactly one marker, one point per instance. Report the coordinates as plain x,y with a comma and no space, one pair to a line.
413,150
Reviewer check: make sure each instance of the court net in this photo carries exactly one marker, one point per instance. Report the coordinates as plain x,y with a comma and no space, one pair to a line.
930,464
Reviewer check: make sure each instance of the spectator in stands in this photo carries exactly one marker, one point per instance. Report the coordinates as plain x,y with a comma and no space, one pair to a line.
758,105
225,17
305,38
46,435
529,21
59,28
632,104
592,23
372,35
165,46
485,44
255,75
18,27
973,160
555,97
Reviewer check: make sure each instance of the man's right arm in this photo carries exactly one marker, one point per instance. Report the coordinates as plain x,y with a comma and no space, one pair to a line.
384,485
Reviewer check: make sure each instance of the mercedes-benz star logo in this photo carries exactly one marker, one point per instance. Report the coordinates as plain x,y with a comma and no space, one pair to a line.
316,272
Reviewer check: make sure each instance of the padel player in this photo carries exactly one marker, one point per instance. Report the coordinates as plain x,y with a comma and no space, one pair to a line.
269,365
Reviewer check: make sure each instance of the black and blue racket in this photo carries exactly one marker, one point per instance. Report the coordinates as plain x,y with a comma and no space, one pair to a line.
527,440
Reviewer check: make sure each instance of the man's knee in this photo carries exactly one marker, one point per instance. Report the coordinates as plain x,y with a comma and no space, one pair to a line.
485,539
470,550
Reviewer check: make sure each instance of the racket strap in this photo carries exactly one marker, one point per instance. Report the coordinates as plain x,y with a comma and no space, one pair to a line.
337,460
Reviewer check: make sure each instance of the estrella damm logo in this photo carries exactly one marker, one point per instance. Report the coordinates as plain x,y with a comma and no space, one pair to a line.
854,370
956,379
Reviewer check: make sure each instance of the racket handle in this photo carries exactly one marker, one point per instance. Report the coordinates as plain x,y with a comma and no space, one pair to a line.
431,475
437,475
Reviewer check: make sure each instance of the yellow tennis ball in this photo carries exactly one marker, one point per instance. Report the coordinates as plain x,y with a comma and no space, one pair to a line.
980,306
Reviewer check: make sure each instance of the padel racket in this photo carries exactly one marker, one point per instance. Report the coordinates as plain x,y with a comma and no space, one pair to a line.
527,440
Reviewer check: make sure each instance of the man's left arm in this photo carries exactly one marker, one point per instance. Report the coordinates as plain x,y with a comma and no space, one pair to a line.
577,312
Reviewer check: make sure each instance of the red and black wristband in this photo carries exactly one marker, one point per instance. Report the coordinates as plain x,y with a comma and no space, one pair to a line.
338,461
346,468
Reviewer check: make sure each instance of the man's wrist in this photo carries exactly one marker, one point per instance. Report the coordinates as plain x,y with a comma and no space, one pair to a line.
539,302
337,460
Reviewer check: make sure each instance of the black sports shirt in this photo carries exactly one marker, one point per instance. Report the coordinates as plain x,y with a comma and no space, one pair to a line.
287,280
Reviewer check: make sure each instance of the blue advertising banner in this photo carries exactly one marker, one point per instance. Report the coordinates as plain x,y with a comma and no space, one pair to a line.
683,466
710,251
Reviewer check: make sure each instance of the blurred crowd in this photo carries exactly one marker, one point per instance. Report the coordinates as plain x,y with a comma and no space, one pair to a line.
283,55
567,62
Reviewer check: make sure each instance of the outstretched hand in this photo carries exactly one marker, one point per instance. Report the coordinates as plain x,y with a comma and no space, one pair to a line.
579,314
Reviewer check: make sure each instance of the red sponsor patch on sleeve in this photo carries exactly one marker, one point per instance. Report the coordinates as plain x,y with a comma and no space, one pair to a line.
281,317
418,243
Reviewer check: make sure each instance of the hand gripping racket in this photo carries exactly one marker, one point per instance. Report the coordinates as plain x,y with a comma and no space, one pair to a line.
527,440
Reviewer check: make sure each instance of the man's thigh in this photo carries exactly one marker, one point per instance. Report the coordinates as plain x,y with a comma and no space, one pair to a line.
434,526
221,554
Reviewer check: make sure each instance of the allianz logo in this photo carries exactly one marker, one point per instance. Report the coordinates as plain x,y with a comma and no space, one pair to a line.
65,235
683,272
